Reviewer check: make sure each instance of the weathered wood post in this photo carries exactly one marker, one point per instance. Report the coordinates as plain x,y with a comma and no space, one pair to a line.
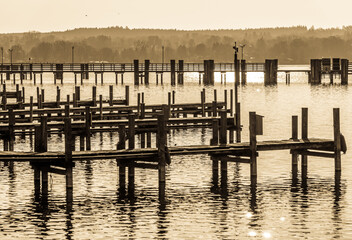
223,127
294,156
214,141
146,71
161,145
68,159
131,145
270,75
121,164
344,71
315,72
304,163
243,72
44,183
111,95
180,72
173,72
253,147
88,124
337,140
11,129
136,71
127,95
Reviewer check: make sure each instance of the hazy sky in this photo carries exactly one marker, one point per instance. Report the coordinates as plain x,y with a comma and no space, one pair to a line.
50,15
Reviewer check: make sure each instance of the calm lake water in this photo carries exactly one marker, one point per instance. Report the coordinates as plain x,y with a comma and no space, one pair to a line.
194,209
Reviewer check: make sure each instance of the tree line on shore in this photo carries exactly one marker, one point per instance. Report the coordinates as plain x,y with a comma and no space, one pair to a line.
290,45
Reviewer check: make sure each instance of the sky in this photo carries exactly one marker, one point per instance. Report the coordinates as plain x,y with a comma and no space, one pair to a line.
61,15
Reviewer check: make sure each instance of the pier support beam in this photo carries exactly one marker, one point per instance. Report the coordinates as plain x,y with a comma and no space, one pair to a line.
173,72
294,155
337,140
243,72
344,71
270,74
253,147
136,71
315,71
146,71
304,163
161,145
180,72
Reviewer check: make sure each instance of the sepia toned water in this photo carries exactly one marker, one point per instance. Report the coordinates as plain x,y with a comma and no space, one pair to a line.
194,208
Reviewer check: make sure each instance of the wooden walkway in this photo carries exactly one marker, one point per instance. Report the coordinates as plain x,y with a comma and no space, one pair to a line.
152,153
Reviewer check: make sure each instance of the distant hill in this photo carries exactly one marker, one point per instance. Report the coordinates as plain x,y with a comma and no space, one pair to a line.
118,44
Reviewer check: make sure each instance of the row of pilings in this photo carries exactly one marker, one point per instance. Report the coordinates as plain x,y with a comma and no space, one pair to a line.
320,67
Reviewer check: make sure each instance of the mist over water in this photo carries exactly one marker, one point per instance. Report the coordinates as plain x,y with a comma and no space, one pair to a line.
194,208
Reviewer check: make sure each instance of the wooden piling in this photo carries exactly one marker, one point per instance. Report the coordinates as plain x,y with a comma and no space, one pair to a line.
173,72
146,71
344,71
180,72
253,147
337,139
270,74
136,71
68,159
131,131
223,127
111,95
304,162
127,95
215,139
88,124
161,145
94,96
294,156
243,72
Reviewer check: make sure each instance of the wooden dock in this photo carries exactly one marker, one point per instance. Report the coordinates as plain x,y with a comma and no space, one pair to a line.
129,156
206,70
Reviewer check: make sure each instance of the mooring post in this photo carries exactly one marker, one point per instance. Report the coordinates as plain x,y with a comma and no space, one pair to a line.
68,159
243,72
215,139
294,155
180,72
214,108
121,164
304,163
136,71
337,139
253,147
344,71
101,107
11,129
131,130
146,71
202,99
127,95
111,95
223,127
94,96
88,125
31,109
173,72
161,145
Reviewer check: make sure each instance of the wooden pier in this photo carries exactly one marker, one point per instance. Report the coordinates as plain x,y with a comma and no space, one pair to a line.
142,71
129,156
